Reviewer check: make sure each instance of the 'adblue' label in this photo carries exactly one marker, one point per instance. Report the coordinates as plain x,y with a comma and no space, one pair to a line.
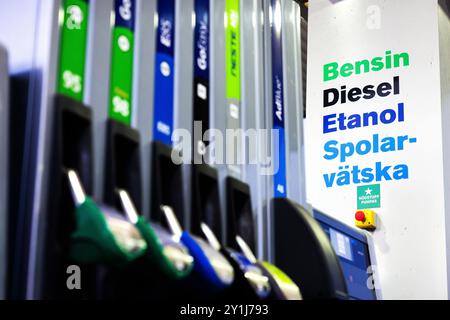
278,99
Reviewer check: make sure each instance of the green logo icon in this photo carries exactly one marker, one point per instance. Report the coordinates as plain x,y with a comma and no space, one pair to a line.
75,17
368,196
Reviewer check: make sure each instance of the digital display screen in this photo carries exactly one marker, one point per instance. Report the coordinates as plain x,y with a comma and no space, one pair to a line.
353,255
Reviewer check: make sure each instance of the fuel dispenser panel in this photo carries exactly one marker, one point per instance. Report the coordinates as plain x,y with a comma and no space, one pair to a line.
351,247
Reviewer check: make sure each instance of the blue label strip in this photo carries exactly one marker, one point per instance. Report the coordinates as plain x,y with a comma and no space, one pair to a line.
164,73
201,38
279,180
124,14
201,74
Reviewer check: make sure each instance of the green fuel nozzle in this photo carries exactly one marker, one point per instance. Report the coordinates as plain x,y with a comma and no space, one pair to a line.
163,248
102,235
105,236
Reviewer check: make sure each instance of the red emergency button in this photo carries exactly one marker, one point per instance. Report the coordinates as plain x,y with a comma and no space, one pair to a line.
360,216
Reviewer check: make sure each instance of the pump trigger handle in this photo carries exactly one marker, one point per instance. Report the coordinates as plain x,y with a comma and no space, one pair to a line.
76,188
172,221
210,236
245,249
128,206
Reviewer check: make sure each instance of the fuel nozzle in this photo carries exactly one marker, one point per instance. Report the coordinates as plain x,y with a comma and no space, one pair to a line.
101,235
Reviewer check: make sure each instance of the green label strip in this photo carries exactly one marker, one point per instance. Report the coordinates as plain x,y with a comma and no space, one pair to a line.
121,75
233,48
233,81
72,55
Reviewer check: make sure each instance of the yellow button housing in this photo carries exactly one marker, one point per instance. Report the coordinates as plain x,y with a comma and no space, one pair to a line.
369,220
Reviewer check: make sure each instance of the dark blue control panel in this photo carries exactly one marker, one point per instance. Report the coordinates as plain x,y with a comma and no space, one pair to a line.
353,253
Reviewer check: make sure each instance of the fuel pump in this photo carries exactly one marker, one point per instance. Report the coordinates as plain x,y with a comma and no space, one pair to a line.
70,150
212,273
122,161
300,248
207,219
240,227
166,259
80,232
